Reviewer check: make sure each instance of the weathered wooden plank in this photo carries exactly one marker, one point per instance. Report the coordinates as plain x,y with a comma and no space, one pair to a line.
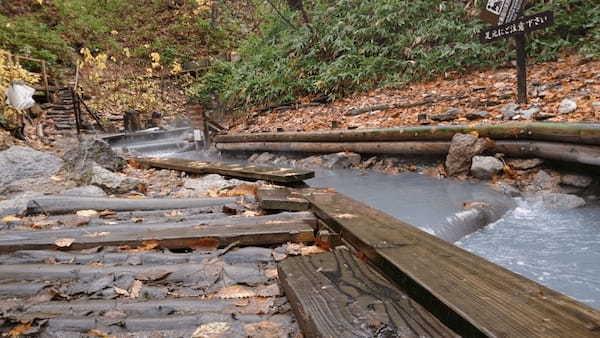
261,233
280,175
277,198
469,294
67,204
335,295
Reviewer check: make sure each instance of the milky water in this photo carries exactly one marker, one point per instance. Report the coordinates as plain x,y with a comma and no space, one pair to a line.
559,249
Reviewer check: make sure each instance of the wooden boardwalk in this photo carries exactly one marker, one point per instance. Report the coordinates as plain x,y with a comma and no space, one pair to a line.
278,175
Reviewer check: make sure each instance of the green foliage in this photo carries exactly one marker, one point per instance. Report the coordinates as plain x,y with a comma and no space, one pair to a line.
356,45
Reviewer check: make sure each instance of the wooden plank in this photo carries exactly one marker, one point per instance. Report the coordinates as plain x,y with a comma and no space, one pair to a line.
279,175
469,294
277,198
259,233
336,295
68,204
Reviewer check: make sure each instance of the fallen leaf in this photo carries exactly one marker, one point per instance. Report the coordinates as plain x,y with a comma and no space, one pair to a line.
64,242
137,220
8,219
19,330
106,213
136,288
96,332
235,291
271,273
266,329
87,213
311,250
120,291
146,246
211,330
97,234
345,216
250,213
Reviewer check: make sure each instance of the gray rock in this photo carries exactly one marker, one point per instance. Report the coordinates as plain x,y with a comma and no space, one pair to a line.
567,106
574,180
341,160
93,150
264,158
507,189
450,115
23,162
542,181
462,150
529,113
194,187
524,163
109,181
509,111
560,201
18,204
484,167
477,115
85,191
312,162
596,106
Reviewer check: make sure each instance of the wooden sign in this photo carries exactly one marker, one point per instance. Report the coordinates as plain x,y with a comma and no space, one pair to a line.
520,26
499,12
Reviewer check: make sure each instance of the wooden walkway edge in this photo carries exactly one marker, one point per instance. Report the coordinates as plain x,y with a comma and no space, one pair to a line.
278,175
469,294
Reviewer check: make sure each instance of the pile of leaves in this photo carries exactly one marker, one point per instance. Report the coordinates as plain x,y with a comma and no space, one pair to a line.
356,45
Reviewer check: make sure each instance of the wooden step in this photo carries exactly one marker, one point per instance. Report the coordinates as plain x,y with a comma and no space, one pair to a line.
279,198
280,175
335,295
469,294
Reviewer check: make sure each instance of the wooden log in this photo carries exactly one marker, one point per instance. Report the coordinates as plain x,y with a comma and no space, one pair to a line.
584,154
271,198
124,139
335,295
582,133
259,233
279,175
67,204
469,294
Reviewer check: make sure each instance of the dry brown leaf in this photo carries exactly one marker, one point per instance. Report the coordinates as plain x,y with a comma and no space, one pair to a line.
146,246
87,213
107,213
99,333
211,330
345,216
137,220
271,273
97,234
64,242
8,219
311,250
235,291
136,288
19,330
265,329
120,291
250,213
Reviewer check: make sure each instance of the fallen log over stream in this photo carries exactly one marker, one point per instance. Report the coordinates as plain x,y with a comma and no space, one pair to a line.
581,133
583,154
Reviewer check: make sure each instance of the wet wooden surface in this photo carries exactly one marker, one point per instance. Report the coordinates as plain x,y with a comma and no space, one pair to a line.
469,294
279,175
336,295
176,235
279,198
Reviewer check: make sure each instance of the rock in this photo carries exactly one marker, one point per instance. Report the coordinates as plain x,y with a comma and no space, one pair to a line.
450,115
560,201
596,106
574,180
462,150
370,162
509,111
36,184
529,113
567,106
109,181
85,191
543,116
18,204
542,181
194,187
253,157
524,163
93,150
477,115
18,163
312,162
264,158
484,167
341,160
507,189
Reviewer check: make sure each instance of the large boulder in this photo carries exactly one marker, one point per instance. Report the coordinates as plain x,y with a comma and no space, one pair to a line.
93,150
107,180
484,167
462,150
18,163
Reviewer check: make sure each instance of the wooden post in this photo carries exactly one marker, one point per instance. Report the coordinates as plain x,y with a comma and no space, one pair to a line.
76,111
205,130
521,68
45,75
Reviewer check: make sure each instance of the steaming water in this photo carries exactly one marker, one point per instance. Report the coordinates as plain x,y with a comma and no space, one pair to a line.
559,249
